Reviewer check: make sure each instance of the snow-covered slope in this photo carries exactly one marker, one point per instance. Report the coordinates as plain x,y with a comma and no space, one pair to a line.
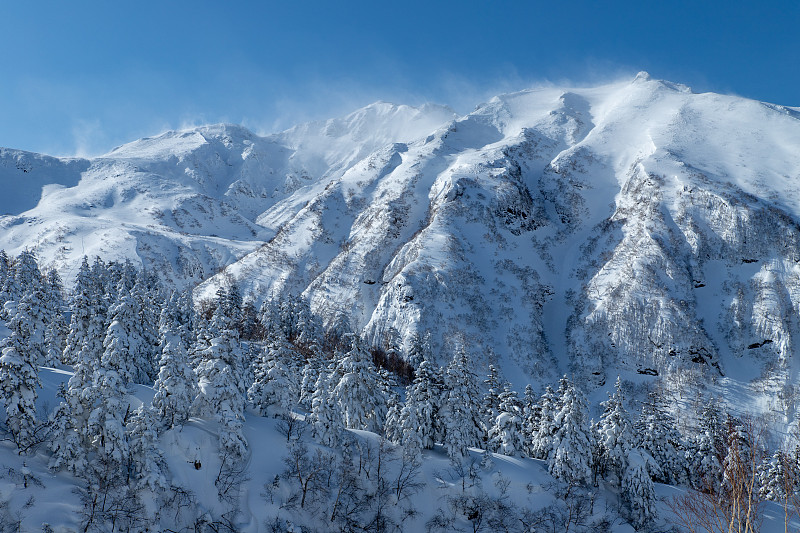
184,202
632,227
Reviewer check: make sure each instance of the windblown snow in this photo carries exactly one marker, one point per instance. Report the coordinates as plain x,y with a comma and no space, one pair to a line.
634,227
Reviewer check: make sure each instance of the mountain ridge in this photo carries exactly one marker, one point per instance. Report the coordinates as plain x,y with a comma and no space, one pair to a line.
635,227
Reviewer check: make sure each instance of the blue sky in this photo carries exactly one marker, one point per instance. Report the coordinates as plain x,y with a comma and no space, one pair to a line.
82,77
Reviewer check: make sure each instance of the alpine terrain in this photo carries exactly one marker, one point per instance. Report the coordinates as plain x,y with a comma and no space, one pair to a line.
350,279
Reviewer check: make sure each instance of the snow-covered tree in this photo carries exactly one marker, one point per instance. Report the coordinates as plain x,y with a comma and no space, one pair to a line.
56,329
326,417
462,410
221,388
656,434
571,447
506,435
638,493
125,342
66,443
19,380
541,442
614,437
420,417
273,390
106,422
175,386
361,393
490,407
147,461
778,477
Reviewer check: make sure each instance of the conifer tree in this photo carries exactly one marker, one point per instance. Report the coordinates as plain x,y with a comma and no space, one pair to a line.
638,492
657,435
326,417
147,461
613,437
19,379
419,418
462,412
361,393
506,435
571,447
175,386
273,390
221,392
542,441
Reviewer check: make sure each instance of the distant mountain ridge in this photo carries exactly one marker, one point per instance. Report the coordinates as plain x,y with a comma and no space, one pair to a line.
633,227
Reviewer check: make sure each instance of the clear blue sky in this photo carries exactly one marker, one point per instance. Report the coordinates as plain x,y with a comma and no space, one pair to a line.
82,77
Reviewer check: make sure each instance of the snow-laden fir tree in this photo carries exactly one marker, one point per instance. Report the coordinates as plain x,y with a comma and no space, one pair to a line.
613,435
531,412
146,294
419,418
66,443
273,390
106,422
506,435
656,434
419,349
308,380
147,460
462,409
638,493
705,451
126,340
56,329
490,407
778,478
571,446
175,387
81,314
19,378
221,391
326,417
361,392
541,442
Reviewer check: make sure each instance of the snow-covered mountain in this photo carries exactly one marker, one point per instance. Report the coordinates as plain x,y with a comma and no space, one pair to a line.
633,227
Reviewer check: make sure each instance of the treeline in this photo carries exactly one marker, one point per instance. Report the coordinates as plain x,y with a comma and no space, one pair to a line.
223,357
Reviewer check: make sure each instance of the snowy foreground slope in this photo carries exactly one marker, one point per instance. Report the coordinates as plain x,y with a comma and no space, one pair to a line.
630,228
33,495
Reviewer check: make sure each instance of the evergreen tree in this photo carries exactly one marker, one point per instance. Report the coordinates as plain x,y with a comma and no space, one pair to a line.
326,417
462,412
125,342
778,477
656,434
273,389
542,441
108,417
613,437
491,399
531,413
419,349
55,326
419,419
147,461
638,492
361,393
506,435
221,388
571,447
19,379
175,387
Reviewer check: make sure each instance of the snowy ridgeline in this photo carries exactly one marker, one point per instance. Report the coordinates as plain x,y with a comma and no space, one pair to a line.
635,229
224,418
